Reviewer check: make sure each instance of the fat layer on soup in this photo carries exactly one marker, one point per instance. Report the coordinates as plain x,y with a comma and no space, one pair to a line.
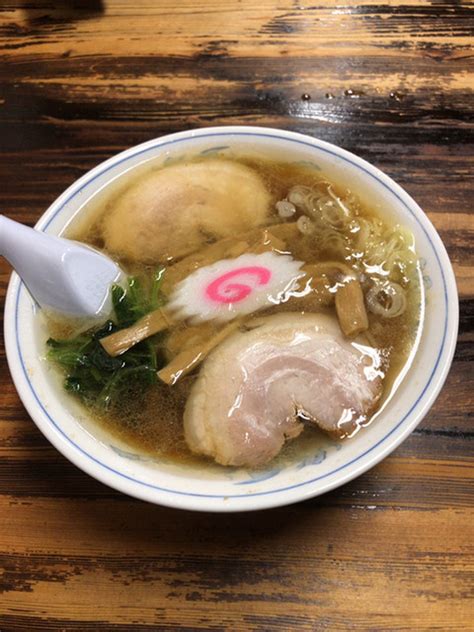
265,305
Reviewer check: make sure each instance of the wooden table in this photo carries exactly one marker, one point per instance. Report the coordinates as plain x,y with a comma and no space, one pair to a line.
393,549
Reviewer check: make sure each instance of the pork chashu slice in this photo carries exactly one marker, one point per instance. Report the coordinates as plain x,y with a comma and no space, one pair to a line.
254,390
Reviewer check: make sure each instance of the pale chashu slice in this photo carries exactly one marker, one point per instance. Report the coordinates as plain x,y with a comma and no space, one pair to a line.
254,390
173,211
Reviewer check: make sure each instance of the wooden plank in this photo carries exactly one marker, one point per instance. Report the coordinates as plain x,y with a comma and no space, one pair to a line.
292,566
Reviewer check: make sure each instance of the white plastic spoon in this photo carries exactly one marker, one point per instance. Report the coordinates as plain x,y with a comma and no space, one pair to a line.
60,274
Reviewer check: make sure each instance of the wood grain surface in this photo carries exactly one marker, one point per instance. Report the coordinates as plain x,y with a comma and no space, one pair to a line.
393,550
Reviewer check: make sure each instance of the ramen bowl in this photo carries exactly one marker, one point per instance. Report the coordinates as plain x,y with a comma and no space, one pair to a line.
331,464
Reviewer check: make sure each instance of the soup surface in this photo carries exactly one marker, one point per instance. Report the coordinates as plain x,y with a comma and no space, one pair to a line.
234,220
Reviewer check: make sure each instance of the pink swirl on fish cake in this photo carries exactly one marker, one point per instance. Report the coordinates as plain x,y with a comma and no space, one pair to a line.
221,291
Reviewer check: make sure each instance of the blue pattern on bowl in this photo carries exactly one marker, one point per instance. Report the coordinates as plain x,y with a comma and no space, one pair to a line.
131,456
213,150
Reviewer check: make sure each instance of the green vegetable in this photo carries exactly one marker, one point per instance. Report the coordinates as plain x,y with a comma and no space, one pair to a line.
136,301
94,376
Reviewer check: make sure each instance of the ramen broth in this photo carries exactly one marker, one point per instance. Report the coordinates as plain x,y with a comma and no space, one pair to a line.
152,422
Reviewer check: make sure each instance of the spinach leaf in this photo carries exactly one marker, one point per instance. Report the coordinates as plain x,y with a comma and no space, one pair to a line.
137,300
94,376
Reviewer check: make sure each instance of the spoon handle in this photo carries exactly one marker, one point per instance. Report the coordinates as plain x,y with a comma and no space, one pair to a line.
59,273
34,255
26,248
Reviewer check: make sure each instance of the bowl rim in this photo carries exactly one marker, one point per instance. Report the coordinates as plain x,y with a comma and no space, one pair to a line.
264,499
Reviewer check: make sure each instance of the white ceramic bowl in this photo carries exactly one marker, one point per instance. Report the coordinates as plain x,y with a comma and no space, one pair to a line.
64,423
